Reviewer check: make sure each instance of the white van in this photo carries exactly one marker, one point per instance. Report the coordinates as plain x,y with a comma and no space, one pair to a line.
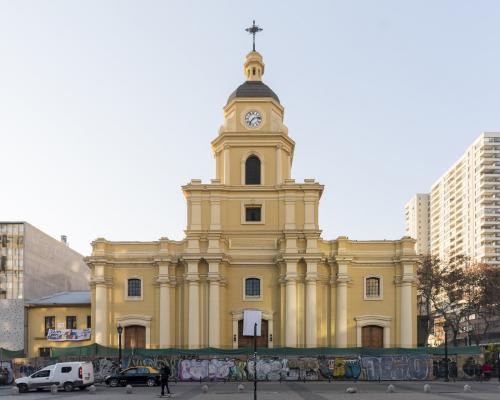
66,375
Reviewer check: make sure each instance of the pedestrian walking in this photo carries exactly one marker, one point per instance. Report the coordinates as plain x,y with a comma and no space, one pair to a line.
164,375
487,371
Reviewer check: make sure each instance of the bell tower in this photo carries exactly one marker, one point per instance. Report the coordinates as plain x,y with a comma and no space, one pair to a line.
253,126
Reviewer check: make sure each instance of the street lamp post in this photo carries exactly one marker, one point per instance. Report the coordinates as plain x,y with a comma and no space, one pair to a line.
119,329
446,371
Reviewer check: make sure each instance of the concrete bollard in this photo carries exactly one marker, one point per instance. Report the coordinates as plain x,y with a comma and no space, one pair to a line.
467,389
204,389
92,389
14,390
241,388
427,388
128,389
351,390
390,389
53,389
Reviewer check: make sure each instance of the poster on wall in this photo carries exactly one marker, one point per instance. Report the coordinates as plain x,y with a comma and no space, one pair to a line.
250,318
63,335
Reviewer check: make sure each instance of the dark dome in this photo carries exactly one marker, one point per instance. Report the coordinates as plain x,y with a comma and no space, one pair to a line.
253,89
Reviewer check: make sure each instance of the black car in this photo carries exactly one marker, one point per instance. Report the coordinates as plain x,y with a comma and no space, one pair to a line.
134,376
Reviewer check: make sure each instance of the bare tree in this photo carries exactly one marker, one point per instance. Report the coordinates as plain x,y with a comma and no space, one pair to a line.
459,292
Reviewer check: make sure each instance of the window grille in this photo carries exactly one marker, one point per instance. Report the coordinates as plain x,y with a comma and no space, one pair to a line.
252,214
252,287
373,287
134,287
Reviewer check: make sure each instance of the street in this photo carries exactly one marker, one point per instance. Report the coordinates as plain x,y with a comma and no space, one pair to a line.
285,391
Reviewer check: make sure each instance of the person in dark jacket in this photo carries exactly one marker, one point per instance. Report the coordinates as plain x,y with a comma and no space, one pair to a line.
164,375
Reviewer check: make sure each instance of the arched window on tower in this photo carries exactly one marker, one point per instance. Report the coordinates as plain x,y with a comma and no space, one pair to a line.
252,171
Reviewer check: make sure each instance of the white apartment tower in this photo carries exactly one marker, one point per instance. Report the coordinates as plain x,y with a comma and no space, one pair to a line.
464,210
417,222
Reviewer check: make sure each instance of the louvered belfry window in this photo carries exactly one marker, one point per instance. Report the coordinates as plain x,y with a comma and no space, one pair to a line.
252,171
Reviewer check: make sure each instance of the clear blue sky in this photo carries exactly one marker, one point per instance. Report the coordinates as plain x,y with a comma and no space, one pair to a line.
100,101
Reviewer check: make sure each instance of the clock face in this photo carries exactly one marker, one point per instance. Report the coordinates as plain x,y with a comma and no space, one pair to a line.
253,119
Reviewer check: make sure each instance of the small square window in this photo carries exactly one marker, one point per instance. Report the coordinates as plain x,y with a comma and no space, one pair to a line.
252,287
253,214
44,352
50,323
372,287
134,287
70,322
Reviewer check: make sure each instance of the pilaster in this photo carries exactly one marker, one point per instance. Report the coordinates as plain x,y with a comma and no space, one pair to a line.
214,279
407,312
291,304
311,306
193,281
341,309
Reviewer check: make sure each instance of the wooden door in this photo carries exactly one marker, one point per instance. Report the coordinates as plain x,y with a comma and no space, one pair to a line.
247,341
372,336
135,337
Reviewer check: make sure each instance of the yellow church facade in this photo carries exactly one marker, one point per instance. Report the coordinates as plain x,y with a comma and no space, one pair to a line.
253,241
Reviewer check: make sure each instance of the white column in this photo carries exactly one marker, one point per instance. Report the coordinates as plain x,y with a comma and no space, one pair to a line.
101,313
214,304
406,314
279,166
291,304
214,315
194,305
226,165
165,316
291,313
311,309
341,315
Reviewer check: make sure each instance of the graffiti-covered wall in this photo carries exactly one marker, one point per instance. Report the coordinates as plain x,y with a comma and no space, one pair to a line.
386,367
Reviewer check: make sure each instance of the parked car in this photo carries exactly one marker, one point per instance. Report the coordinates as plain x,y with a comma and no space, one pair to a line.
66,375
134,376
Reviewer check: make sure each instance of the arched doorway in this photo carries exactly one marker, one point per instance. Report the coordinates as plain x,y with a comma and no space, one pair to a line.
135,337
372,336
247,341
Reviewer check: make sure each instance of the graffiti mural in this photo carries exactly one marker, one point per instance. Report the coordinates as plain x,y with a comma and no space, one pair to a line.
213,369
400,367
104,367
189,368
340,368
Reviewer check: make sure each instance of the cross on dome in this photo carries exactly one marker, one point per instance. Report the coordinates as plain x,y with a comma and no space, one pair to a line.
253,30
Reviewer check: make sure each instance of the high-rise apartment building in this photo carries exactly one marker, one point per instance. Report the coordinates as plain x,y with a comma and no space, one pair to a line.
464,205
32,265
417,221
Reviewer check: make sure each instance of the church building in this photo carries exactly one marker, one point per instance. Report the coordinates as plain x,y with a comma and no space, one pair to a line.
253,242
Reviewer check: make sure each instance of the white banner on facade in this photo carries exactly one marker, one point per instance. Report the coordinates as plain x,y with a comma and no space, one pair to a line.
250,318
71,335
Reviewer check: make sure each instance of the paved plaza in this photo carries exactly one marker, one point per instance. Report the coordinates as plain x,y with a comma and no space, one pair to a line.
285,391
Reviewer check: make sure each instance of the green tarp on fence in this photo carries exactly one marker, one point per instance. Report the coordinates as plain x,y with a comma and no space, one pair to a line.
95,350
9,354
